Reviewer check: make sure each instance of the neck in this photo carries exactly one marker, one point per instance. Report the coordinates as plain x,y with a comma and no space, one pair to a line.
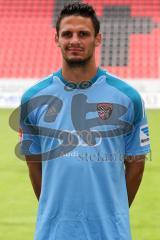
79,73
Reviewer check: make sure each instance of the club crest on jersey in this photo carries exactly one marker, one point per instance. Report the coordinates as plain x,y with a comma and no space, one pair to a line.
104,110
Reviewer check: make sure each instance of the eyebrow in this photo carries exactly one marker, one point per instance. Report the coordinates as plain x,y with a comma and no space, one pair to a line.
68,31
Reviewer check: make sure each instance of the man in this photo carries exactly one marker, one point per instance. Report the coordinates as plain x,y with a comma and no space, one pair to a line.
85,138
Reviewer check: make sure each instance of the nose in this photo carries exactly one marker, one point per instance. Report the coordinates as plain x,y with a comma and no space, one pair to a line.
74,39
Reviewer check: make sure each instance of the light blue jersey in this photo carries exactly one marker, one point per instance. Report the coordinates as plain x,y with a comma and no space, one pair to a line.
83,133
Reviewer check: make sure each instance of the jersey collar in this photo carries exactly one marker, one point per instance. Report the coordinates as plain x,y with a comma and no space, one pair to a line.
83,84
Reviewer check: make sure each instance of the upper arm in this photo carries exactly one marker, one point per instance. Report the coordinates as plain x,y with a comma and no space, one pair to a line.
34,163
33,159
135,163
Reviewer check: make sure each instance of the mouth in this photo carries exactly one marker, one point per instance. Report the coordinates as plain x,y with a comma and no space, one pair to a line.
75,50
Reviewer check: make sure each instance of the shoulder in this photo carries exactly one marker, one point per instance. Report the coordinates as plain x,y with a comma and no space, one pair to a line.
131,93
35,89
123,87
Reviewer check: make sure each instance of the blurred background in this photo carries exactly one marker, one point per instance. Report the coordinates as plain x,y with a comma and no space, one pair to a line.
130,50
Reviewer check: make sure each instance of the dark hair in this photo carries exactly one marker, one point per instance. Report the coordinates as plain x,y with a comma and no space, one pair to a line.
79,9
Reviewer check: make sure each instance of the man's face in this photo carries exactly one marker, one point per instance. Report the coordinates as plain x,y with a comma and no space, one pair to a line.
77,40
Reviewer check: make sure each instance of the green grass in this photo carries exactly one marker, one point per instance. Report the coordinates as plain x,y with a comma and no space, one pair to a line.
145,211
18,204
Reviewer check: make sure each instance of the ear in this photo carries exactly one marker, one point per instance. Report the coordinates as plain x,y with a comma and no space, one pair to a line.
98,39
56,40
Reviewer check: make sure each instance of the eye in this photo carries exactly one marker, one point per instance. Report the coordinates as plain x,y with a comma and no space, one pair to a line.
84,33
66,34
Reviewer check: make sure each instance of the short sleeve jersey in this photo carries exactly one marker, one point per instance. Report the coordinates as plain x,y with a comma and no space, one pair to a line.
83,133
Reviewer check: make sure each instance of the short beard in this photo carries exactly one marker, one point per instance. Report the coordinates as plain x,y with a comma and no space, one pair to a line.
77,63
